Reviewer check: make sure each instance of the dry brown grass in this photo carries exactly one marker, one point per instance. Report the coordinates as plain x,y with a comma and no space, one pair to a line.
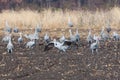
58,19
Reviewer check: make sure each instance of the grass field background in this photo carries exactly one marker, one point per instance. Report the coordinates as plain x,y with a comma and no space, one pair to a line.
49,19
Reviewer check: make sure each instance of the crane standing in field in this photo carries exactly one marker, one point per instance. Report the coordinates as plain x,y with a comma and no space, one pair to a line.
7,27
46,38
35,35
104,35
72,37
77,36
70,23
20,39
108,28
89,37
10,46
6,37
62,39
116,36
16,30
94,46
38,28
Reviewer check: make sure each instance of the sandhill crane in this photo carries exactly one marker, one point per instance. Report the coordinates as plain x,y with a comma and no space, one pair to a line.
34,36
77,35
70,24
6,37
38,28
72,37
62,39
20,39
61,46
104,35
30,44
7,27
10,46
108,28
94,46
89,37
116,36
16,30
46,38
49,45
102,31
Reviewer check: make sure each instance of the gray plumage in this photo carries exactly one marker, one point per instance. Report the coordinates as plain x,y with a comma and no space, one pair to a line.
89,37
16,30
104,36
58,45
34,36
70,23
62,39
116,36
20,39
94,46
30,44
46,38
77,36
7,27
108,28
38,28
6,38
10,46
72,37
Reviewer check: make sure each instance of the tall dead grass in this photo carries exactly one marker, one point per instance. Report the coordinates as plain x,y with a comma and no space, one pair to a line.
58,19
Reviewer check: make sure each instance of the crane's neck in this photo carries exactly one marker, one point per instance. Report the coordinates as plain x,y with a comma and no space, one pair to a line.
10,41
70,32
97,41
77,31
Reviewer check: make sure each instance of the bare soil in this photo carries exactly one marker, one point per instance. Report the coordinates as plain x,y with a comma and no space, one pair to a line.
75,64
